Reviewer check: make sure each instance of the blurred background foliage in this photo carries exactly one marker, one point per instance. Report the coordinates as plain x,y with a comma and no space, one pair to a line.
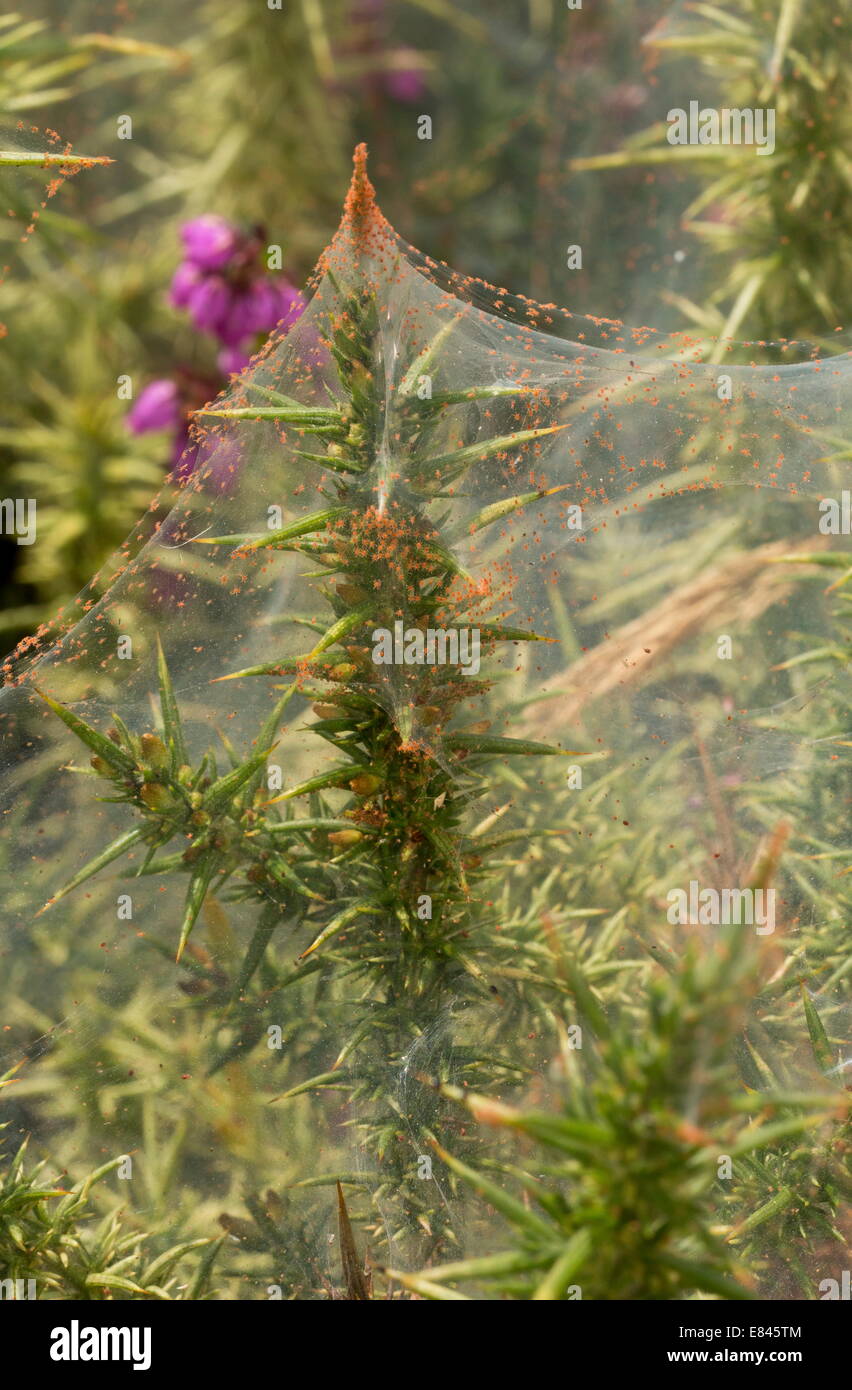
776,228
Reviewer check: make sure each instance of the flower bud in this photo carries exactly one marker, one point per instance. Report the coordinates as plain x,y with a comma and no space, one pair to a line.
153,750
365,784
487,1111
156,796
345,839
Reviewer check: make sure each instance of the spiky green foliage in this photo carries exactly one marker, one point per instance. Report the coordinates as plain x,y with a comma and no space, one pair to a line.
51,1233
658,1176
357,876
346,857
596,881
776,224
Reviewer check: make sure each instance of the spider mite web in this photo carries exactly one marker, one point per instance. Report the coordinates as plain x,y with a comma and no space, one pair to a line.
672,557
26,148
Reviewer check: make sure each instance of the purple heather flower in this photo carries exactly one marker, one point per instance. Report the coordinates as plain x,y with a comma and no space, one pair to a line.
257,309
232,327
210,241
252,310
167,405
405,84
185,282
266,305
221,285
210,305
210,462
231,360
158,408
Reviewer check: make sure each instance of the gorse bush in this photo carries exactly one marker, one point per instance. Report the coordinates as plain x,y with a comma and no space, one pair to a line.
626,1182
408,906
52,1244
403,926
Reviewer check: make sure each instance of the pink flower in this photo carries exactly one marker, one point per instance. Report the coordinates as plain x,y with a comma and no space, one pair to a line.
253,309
232,360
405,84
167,405
210,241
257,308
185,281
222,285
158,408
210,305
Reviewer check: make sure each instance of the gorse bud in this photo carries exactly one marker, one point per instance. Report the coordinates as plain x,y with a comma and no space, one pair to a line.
365,784
156,796
345,839
153,750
